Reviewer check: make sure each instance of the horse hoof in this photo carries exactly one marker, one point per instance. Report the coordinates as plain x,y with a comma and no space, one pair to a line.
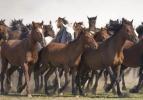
114,91
93,92
36,90
29,96
107,88
134,91
83,94
74,92
4,93
124,88
61,94
123,95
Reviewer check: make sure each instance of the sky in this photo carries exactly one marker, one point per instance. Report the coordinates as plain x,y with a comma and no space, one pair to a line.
73,10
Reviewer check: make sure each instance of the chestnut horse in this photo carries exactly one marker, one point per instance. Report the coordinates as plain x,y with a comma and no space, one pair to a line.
112,48
21,53
57,54
77,27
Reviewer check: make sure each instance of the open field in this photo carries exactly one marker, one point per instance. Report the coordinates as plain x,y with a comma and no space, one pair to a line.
131,80
99,96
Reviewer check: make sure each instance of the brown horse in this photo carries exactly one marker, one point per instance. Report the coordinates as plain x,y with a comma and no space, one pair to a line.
56,54
101,35
48,30
21,53
77,27
113,49
3,30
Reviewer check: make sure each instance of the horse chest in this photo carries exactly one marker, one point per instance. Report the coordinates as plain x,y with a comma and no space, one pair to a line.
118,59
31,56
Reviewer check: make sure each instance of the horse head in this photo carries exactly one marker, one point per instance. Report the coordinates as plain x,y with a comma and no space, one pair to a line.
92,21
77,27
61,22
37,33
87,39
3,32
48,30
128,30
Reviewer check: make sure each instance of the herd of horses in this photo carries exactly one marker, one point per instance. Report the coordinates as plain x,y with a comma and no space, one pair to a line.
93,51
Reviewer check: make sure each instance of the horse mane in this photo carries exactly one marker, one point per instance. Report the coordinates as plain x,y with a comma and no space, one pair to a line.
64,20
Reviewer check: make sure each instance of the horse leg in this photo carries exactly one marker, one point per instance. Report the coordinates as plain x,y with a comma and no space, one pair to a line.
27,78
97,77
58,79
9,73
20,72
74,90
66,74
136,88
36,76
46,77
55,81
118,72
106,78
90,81
3,71
113,79
43,70
123,82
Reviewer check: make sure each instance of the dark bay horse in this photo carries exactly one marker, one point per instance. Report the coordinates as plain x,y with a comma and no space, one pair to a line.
56,54
92,23
21,53
112,48
48,30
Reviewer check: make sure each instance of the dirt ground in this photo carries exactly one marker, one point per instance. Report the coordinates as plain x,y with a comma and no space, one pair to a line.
131,80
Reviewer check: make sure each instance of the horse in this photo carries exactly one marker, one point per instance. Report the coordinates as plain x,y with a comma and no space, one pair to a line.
63,36
77,27
92,23
136,62
57,54
95,59
25,55
3,30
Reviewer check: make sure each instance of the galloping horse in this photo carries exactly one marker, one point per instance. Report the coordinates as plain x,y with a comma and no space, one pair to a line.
112,48
21,53
57,54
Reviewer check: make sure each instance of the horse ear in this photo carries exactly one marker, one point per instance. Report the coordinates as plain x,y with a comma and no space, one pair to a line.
33,23
118,20
132,22
123,20
88,17
95,17
50,22
42,22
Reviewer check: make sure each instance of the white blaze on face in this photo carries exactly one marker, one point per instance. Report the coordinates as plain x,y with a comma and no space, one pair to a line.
41,31
136,33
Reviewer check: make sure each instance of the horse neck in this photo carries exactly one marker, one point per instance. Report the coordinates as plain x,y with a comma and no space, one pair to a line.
118,41
76,46
92,27
31,44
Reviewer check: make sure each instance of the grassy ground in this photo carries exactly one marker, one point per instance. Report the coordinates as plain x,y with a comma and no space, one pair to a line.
67,96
